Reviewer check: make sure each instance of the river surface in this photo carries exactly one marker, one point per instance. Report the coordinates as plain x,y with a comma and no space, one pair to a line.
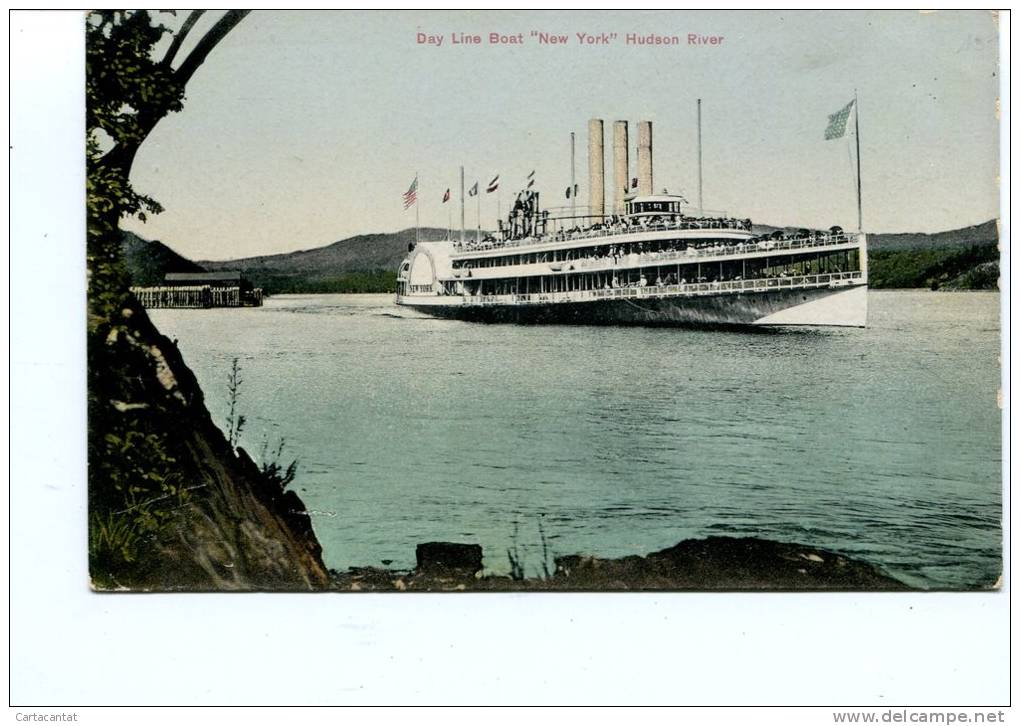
881,443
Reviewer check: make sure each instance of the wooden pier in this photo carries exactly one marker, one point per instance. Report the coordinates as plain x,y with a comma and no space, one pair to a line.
200,290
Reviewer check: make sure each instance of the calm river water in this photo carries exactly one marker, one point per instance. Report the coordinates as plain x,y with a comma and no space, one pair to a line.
882,443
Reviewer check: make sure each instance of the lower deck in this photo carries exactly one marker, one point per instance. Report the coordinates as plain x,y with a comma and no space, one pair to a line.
838,299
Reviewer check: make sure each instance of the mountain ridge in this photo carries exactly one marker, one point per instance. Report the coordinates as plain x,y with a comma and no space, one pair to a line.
368,262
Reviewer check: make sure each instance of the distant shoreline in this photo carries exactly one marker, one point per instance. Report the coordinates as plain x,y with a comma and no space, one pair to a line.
964,259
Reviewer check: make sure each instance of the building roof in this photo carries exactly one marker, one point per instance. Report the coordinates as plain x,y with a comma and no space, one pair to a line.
204,277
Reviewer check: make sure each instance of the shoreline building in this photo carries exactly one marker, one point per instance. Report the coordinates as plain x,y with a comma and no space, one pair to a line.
226,289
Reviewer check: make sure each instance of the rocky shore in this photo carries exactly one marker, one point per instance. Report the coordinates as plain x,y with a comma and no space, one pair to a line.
714,563
172,506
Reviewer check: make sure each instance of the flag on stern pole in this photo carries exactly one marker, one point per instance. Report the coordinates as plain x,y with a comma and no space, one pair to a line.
411,195
531,179
446,196
837,123
493,185
473,191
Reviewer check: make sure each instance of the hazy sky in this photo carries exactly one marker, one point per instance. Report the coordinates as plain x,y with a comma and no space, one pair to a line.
304,128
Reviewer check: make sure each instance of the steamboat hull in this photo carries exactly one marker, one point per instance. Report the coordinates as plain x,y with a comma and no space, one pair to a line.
845,307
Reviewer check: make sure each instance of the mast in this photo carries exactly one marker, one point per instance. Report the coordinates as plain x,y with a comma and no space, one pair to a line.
462,206
857,137
573,196
701,203
417,226
478,214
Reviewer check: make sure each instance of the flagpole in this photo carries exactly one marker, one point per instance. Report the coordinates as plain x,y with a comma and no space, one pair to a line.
417,227
701,203
573,200
478,214
857,136
462,206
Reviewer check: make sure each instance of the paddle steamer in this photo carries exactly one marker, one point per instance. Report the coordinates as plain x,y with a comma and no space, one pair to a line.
651,261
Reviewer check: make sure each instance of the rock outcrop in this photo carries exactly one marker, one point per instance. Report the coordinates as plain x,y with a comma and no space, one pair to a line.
172,505
448,558
725,563
714,563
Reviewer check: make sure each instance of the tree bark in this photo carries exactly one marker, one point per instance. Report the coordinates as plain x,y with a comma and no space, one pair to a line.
178,40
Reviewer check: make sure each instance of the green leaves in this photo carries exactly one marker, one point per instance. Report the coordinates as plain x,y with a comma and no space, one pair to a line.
126,87
127,90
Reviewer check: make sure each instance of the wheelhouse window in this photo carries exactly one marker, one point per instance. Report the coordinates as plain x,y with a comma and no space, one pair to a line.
654,207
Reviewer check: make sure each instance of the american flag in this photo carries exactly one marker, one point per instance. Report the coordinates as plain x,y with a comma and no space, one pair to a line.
493,185
411,195
531,179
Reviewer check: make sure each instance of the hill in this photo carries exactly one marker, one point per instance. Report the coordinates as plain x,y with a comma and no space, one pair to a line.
148,261
965,258
365,263
977,235
958,259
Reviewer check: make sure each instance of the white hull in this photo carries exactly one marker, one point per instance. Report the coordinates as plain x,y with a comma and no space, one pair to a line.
809,303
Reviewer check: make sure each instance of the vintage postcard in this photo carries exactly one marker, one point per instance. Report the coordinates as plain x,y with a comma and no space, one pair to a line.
493,301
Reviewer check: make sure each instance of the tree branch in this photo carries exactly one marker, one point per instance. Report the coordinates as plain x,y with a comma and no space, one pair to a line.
178,40
122,156
209,41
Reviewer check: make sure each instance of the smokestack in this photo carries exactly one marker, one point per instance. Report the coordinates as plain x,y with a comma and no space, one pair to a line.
621,165
596,169
644,157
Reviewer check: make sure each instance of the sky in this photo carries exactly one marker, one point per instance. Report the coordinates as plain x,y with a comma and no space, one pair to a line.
303,128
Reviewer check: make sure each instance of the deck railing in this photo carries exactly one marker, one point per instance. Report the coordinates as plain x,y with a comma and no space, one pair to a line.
832,279
717,250
608,230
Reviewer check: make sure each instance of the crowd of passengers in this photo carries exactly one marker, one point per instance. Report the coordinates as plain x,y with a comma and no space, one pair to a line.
642,252
673,279
621,225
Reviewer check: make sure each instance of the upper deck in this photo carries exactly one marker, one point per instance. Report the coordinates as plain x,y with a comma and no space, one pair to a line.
617,231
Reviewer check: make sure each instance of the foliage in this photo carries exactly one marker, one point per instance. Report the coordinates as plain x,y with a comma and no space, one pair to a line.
982,277
931,268
368,281
235,421
134,482
126,91
125,84
273,470
513,553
